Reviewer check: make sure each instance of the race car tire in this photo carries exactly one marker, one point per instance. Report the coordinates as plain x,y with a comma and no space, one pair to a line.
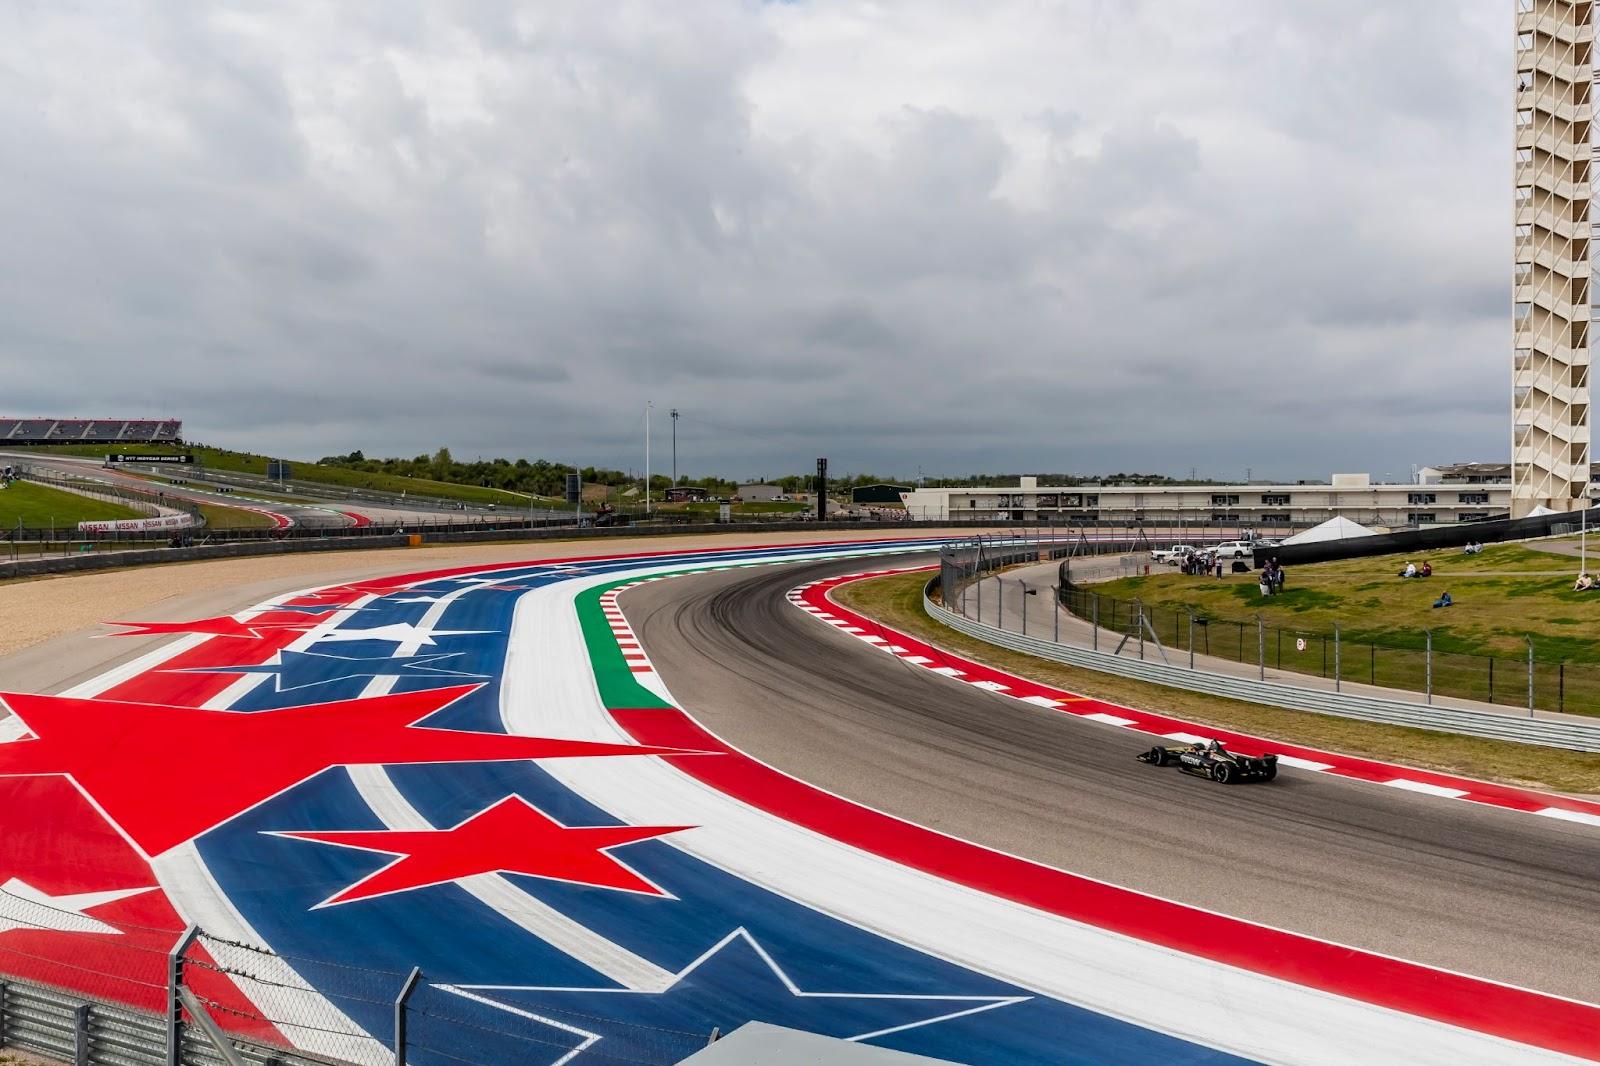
1271,772
1222,773
1158,756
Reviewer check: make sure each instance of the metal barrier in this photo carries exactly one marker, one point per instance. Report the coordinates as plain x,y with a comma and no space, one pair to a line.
1574,736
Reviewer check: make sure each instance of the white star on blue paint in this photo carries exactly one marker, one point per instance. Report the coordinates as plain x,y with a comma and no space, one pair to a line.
733,982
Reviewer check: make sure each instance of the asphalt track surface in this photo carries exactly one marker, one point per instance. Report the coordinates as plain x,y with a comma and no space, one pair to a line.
1492,893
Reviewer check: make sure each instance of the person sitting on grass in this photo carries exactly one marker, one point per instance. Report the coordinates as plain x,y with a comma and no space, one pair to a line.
1444,601
1409,571
1427,569
1583,584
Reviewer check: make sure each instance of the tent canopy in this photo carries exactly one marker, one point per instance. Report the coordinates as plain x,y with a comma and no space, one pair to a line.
1336,528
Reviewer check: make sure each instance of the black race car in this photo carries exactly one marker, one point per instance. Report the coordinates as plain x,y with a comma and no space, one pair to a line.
1214,761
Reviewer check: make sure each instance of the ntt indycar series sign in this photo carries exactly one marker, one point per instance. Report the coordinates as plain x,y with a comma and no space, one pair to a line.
122,458
139,525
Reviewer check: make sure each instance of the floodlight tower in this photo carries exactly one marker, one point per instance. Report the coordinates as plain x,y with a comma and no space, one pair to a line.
1551,271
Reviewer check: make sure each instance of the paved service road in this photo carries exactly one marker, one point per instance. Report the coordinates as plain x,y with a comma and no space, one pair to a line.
1497,894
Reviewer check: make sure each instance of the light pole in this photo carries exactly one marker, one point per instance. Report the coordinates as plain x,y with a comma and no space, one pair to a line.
648,404
674,446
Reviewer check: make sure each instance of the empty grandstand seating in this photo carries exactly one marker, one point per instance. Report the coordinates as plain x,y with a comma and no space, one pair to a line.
89,431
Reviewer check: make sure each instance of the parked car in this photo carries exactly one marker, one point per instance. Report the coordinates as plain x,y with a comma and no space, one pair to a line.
1235,549
1173,555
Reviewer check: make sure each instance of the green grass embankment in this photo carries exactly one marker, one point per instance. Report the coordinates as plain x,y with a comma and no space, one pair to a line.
40,507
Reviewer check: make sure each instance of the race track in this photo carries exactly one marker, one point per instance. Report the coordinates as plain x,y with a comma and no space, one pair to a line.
1493,893
500,773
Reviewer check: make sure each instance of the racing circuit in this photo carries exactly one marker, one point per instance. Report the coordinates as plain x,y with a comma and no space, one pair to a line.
610,803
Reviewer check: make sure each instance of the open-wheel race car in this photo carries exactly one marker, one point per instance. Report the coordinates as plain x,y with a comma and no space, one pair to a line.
1211,760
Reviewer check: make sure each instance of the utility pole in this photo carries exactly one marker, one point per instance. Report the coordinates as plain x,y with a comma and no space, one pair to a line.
648,404
674,446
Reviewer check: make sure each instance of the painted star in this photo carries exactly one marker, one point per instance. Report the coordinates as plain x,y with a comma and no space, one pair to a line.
222,626
398,632
308,665
312,608
24,907
421,599
737,980
113,751
511,837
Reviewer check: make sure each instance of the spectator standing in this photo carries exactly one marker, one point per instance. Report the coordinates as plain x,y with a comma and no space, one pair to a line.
1277,576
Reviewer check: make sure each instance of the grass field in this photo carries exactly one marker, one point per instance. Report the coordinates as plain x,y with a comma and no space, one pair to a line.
38,507
219,517
247,463
897,601
1502,596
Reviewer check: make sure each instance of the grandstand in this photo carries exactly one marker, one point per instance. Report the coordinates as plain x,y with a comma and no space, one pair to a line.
90,431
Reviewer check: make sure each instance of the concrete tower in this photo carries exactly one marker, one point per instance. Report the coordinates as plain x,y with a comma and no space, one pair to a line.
1550,364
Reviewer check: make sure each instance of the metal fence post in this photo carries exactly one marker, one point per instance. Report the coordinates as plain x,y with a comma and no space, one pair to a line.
1530,677
1427,665
1561,697
80,1035
174,1005
1261,648
1055,609
1094,632
1336,656
1024,595
400,1015
1191,640
1000,601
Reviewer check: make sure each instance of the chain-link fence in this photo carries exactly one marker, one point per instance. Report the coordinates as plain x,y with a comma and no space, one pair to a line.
1407,662
81,984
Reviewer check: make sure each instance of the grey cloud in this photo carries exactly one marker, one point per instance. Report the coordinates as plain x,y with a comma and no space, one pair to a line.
1095,235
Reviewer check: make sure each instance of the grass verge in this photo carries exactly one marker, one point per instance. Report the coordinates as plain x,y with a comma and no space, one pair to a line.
39,507
897,601
219,517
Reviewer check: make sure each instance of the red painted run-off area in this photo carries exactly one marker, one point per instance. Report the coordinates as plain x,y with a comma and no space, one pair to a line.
1159,725
55,842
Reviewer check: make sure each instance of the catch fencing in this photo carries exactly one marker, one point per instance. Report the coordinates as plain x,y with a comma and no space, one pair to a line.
118,993
1529,678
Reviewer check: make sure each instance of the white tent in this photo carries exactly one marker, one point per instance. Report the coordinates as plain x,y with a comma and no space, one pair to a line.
1333,529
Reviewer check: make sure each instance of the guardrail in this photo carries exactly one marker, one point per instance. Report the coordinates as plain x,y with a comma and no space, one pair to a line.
1574,736
69,1028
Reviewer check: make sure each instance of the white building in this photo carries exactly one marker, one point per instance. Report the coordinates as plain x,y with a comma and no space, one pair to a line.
1450,497
1551,271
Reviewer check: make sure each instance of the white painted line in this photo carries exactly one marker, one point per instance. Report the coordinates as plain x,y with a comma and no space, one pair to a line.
1425,788
897,649
992,686
1187,738
870,639
1303,764
1108,719
947,671
1570,816
920,660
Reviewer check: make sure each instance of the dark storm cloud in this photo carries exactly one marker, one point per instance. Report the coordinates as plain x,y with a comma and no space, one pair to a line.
937,235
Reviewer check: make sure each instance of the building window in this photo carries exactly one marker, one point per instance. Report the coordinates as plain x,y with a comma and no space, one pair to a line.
1222,500
1422,497
1274,499
1521,310
1473,497
1421,517
1472,516
972,503
1274,516
1091,501
1217,516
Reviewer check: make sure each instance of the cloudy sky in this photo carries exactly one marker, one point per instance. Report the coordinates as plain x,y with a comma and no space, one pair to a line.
1086,235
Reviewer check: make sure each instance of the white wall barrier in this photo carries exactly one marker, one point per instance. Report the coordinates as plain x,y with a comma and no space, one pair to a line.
140,525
